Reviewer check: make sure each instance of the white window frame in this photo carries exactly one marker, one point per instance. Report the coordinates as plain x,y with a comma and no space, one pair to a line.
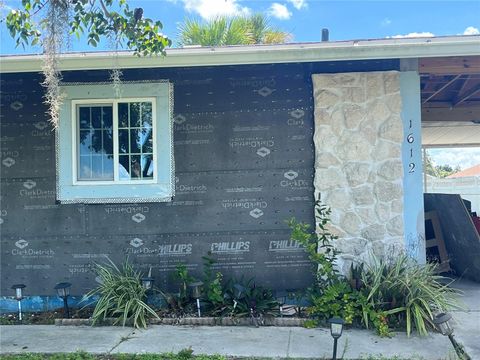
75,132
70,189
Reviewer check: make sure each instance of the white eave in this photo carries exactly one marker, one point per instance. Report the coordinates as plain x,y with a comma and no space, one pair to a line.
403,48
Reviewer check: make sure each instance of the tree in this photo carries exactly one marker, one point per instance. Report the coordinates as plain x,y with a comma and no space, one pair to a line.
439,171
50,22
220,31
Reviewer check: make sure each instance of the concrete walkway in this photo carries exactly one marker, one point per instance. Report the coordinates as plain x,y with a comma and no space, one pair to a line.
282,342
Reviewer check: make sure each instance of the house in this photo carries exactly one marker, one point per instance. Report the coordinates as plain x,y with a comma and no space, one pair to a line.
471,171
210,150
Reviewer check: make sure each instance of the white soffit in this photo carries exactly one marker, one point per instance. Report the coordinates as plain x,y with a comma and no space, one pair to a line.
450,134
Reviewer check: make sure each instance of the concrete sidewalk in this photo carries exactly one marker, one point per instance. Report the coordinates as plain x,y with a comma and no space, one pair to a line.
293,342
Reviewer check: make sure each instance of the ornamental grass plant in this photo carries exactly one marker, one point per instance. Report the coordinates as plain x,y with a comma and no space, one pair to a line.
120,295
407,292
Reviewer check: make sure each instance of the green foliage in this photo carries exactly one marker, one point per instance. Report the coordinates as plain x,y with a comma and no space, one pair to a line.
121,295
376,296
407,292
181,274
247,295
212,283
223,30
440,171
93,19
318,245
184,354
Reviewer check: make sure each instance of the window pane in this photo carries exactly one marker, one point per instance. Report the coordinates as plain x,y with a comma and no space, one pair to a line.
84,114
135,115
85,141
107,140
123,142
124,167
95,146
84,168
147,143
135,141
147,166
123,115
107,117
135,167
146,115
96,117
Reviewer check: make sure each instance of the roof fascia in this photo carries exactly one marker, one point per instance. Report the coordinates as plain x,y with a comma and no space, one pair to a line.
260,54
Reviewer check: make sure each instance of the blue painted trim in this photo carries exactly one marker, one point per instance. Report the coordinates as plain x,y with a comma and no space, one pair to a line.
413,209
49,303
40,303
162,190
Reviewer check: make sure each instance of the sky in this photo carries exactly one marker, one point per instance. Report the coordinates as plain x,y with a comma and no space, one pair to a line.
304,20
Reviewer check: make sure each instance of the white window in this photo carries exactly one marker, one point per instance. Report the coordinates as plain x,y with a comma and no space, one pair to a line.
115,149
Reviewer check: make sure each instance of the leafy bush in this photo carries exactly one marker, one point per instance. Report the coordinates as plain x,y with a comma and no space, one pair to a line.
388,292
244,295
318,244
212,285
121,295
407,292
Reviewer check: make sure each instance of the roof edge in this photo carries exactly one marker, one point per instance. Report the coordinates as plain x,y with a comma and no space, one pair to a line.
258,54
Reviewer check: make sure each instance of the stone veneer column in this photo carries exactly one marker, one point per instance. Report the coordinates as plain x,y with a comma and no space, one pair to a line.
358,167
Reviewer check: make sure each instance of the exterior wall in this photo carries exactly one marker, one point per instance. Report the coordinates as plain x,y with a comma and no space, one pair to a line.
243,165
467,187
358,167
244,158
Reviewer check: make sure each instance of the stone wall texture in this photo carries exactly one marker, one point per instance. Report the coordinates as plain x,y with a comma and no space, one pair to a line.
358,161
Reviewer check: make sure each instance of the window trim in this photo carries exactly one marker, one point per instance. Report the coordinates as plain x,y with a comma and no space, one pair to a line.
116,193
114,102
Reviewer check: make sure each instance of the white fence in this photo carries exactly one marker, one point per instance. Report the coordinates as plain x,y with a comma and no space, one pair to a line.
467,187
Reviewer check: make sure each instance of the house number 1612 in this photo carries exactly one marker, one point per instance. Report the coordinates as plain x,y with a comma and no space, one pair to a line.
411,140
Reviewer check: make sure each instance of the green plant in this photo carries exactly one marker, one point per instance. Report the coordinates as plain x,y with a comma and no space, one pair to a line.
407,292
356,272
181,273
212,283
121,295
222,30
246,295
318,245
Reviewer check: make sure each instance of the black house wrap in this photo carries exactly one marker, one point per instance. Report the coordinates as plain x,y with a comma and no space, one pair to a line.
244,160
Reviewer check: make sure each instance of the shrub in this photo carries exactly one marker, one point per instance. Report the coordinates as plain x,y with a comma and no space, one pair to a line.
245,295
407,292
121,295
396,291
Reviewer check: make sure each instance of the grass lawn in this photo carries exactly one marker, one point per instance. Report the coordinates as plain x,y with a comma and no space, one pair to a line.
182,355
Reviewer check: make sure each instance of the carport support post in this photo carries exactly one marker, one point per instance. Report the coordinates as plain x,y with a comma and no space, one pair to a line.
413,209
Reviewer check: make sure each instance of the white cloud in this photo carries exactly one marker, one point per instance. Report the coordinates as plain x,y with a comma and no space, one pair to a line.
386,22
299,4
279,11
464,157
471,31
208,9
413,35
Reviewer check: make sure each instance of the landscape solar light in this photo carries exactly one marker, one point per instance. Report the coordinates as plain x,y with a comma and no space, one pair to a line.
336,329
281,299
63,291
442,323
147,282
197,288
19,296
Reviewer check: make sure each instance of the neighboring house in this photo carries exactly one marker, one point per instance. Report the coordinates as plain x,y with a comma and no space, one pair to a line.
465,182
210,150
471,171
